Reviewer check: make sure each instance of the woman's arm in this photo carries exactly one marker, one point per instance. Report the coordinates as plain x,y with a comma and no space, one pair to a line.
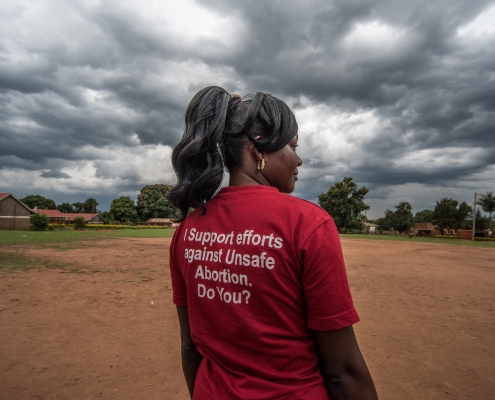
342,365
191,359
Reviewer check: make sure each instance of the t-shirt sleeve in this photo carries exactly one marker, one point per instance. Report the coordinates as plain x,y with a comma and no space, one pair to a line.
179,287
326,289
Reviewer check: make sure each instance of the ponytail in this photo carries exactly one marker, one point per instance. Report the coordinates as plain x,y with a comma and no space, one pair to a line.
197,158
217,127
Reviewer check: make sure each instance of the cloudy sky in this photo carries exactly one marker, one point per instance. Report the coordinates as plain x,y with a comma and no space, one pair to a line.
400,95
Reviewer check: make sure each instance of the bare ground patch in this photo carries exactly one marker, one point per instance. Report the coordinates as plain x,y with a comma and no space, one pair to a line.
95,320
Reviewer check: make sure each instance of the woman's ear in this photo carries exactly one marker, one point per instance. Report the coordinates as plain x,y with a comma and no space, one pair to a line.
258,155
258,158
254,152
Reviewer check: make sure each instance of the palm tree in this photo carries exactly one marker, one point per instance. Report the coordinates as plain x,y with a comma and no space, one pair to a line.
487,203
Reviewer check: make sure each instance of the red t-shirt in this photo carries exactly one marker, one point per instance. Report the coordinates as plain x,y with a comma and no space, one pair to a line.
257,272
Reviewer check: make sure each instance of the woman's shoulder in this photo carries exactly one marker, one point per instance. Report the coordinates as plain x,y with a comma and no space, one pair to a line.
293,211
302,206
266,198
308,212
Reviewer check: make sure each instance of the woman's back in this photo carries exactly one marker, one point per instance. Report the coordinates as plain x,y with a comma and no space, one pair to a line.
258,276
257,271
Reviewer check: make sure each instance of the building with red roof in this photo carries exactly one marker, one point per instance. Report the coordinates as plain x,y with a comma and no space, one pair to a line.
58,217
14,214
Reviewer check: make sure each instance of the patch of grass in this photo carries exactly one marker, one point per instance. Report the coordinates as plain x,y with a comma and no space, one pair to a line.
455,242
11,262
8,237
142,233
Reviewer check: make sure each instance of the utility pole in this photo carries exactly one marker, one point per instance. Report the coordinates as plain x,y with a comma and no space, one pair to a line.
474,217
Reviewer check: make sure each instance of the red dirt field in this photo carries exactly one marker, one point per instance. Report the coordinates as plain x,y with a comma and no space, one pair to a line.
104,327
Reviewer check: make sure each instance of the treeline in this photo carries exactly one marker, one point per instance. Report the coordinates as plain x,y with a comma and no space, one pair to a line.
151,203
344,201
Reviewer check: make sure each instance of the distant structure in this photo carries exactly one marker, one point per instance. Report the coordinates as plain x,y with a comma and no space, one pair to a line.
370,228
14,214
162,222
57,217
426,229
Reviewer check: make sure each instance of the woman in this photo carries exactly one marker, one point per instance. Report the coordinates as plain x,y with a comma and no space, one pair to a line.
258,276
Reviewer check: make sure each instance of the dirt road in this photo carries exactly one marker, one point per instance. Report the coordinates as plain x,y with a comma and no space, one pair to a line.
104,327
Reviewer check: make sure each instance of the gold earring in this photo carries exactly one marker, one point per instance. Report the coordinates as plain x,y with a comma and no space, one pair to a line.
261,164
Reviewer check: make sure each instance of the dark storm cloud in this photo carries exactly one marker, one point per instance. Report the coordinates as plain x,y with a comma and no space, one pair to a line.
50,89
104,76
435,90
54,174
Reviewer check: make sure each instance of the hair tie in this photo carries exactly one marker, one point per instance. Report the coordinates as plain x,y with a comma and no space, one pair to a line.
236,96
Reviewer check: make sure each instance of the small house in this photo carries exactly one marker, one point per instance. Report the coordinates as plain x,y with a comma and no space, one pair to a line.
162,222
426,229
370,228
89,218
14,214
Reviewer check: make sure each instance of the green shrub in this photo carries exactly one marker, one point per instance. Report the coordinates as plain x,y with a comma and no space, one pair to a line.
59,227
445,237
79,223
39,221
56,227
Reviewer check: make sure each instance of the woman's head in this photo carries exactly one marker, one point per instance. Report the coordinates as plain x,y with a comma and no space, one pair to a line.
218,128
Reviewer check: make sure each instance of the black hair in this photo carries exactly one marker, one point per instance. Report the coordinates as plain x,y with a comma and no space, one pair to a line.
217,127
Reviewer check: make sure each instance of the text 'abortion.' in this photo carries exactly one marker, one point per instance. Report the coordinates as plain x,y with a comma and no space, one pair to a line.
229,256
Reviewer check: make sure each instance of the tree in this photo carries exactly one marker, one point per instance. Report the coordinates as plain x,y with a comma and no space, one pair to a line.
89,206
78,207
123,209
152,203
487,203
482,223
403,217
65,207
462,213
344,201
423,216
385,222
79,223
36,200
39,221
447,216
400,220
107,217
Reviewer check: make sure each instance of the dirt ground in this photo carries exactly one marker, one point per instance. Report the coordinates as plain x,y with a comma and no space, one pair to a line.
104,327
